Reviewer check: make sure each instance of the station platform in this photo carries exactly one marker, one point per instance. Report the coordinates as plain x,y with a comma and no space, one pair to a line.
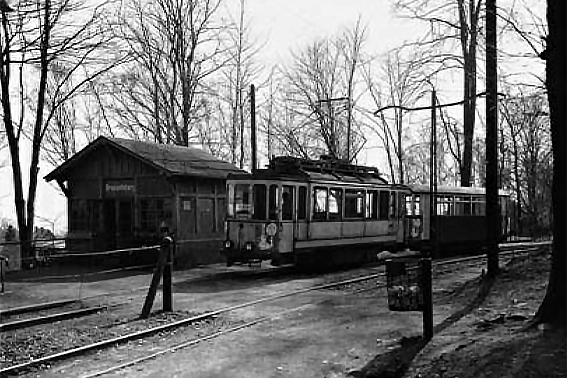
49,284
60,283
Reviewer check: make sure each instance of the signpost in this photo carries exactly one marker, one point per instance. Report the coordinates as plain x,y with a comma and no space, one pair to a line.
409,287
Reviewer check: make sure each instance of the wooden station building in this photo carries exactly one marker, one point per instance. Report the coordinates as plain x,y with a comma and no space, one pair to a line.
121,192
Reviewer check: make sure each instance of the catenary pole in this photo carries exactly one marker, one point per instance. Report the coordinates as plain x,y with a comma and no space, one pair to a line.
492,207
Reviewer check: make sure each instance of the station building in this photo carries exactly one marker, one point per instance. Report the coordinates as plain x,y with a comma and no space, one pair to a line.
120,193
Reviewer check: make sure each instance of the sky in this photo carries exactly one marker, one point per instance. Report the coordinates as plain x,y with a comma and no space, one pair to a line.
282,26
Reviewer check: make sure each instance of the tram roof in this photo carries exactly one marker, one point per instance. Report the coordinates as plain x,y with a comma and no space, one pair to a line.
296,169
418,188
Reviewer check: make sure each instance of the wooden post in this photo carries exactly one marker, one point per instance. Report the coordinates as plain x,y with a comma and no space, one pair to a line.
167,273
158,272
425,267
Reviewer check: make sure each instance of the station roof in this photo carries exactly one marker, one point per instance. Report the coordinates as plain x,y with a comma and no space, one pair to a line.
171,159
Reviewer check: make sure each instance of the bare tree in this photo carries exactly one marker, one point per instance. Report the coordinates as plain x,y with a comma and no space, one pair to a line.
529,141
453,23
404,86
232,91
553,309
175,46
75,122
38,38
322,86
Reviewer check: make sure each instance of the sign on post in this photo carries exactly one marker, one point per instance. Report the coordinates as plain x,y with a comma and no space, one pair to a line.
409,286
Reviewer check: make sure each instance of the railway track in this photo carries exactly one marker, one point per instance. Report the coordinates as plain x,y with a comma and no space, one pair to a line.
442,268
13,324
378,277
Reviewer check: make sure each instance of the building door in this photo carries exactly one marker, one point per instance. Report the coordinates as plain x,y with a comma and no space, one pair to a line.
109,223
124,222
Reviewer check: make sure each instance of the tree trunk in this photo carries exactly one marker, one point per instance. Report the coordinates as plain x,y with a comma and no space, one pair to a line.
468,118
553,307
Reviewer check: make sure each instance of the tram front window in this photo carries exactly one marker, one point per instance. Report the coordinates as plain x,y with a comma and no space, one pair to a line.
259,202
241,201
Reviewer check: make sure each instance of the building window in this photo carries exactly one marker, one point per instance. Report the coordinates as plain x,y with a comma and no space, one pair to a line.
153,211
84,215
79,216
354,203
220,213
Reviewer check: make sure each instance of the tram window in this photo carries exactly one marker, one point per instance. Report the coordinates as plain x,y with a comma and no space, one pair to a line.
242,205
302,203
392,212
354,204
372,205
401,204
335,203
287,203
384,205
230,209
417,204
409,205
444,205
273,203
503,205
259,202
320,203
462,206
478,206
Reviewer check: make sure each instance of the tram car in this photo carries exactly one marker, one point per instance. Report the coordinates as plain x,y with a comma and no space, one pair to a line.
328,212
459,221
311,212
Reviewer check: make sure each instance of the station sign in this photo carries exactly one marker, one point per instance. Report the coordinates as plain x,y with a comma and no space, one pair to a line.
119,188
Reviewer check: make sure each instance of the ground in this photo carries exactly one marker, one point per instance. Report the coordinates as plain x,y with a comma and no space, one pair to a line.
492,340
334,334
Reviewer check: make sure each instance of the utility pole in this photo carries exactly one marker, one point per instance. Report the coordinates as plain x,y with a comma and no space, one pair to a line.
493,227
253,127
349,123
433,177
